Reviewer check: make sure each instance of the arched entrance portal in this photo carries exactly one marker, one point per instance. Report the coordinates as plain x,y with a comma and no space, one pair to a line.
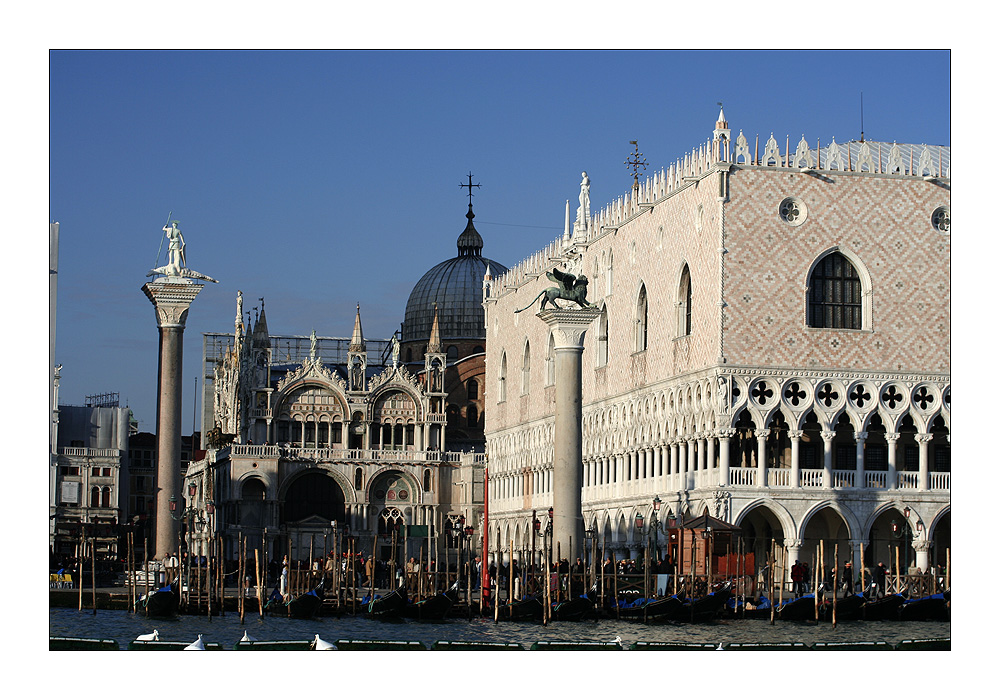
312,502
826,543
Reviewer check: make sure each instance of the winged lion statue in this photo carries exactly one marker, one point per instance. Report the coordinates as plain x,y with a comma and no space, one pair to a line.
571,288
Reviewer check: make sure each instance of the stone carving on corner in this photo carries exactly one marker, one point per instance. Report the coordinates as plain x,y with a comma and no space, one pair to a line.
722,504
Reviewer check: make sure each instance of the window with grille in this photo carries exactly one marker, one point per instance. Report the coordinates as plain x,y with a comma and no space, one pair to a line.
834,294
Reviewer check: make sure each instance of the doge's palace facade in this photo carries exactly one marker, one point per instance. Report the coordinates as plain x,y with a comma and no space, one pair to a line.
772,349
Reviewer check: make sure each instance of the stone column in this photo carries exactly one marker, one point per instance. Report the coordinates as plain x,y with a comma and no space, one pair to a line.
828,436
762,456
923,549
171,298
724,436
859,460
890,477
794,480
923,476
568,327
692,465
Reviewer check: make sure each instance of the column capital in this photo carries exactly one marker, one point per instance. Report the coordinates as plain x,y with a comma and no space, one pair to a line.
923,438
891,437
568,326
726,433
795,434
788,542
922,545
762,433
860,436
171,300
828,435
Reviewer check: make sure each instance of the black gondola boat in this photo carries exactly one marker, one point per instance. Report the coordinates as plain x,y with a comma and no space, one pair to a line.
651,609
850,607
707,607
801,608
434,608
572,610
521,610
389,605
931,607
305,606
885,608
163,603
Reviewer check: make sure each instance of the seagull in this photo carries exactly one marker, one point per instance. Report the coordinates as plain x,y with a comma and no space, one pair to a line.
719,648
322,645
153,636
196,645
618,639
247,638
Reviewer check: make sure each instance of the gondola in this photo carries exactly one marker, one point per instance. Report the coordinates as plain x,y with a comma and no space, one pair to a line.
521,610
389,605
850,607
707,607
801,608
884,608
749,609
162,603
434,608
651,609
931,607
574,609
305,606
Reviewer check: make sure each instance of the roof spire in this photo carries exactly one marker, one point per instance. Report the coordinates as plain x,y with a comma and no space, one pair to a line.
434,344
357,337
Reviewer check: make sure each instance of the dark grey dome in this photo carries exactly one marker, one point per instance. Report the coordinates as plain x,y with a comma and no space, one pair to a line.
456,287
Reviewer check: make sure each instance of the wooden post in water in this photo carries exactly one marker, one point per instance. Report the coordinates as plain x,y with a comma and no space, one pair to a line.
770,572
145,570
817,577
614,579
260,583
240,577
897,569
947,571
79,570
836,554
862,568
781,585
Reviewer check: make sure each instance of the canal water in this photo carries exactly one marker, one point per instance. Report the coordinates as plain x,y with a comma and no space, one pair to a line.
225,630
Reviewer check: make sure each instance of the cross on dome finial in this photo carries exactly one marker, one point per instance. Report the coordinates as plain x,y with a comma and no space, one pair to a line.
470,186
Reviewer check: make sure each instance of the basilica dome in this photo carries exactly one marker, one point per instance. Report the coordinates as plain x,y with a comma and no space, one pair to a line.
455,288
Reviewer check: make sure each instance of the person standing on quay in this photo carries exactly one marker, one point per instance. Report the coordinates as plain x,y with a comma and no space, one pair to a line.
849,577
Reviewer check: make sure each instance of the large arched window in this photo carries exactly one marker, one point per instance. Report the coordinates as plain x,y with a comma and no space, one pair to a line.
602,337
641,320
526,369
684,303
834,294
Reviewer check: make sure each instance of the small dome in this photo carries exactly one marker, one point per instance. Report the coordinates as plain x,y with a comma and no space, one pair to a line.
456,288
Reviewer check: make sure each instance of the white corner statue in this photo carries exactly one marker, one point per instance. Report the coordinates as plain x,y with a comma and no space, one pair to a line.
583,213
177,261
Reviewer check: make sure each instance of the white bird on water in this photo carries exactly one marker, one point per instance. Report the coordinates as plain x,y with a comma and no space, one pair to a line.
322,645
247,638
153,636
719,648
196,645
618,639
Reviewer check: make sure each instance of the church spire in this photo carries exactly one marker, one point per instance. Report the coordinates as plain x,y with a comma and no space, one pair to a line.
434,345
357,337
261,338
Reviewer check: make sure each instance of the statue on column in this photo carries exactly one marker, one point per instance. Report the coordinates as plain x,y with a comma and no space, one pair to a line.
571,288
176,258
312,346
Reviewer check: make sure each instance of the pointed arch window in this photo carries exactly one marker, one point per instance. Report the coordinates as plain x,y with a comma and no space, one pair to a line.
834,296
602,337
550,361
526,369
684,303
502,381
641,320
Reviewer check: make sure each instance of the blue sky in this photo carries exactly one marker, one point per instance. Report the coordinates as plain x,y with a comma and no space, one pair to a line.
320,180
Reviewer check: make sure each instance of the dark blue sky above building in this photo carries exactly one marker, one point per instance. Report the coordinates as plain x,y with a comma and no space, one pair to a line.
320,180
